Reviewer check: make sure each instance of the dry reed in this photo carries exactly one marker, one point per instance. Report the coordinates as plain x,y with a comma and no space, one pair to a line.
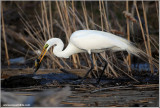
148,50
128,33
148,38
68,20
4,37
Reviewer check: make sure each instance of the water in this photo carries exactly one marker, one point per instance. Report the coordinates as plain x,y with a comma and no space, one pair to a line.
60,77
19,60
142,67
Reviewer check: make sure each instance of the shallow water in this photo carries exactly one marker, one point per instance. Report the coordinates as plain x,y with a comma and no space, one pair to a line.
142,67
87,96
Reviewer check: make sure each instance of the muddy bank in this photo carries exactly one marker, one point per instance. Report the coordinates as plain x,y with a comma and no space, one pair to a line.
11,79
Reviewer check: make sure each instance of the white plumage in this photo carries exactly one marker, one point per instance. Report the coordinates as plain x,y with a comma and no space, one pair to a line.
88,41
91,41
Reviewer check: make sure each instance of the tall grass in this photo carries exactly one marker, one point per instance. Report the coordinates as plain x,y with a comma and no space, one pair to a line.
69,19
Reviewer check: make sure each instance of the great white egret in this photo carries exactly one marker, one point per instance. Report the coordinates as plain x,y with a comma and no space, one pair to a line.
88,41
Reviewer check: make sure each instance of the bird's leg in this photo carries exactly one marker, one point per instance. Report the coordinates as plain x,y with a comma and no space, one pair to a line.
92,66
103,68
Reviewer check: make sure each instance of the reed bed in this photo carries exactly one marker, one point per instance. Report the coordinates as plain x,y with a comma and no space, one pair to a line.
61,18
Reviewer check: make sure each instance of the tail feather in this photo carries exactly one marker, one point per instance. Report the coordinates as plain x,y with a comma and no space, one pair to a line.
139,53
133,50
130,48
122,44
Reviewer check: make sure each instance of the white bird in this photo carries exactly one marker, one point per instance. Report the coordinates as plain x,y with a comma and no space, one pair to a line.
88,41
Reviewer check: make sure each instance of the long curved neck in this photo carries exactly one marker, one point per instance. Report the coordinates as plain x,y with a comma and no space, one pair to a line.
70,49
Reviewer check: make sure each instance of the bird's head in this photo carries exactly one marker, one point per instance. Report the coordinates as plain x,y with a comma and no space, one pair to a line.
39,59
58,45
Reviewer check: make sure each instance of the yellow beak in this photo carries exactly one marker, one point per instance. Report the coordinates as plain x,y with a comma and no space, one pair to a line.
42,54
39,60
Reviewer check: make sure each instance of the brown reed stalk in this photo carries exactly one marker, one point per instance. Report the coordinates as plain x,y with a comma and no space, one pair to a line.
128,33
69,32
43,21
74,29
157,8
74,20
61,17
140,23
85,14
29,29
100,9
46,20
77,18
31,46
66,24
154,43
32,30
4,37
105,15
51,19
45,29
148,38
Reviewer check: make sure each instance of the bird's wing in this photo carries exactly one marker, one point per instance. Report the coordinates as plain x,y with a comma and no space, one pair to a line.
92,39
96,40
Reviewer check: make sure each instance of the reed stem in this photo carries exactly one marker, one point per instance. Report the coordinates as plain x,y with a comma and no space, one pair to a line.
148,38
128,33
4,37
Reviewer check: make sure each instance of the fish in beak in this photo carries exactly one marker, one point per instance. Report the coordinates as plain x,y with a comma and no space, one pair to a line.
39,59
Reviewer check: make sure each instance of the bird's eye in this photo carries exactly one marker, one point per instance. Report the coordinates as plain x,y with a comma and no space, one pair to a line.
55,45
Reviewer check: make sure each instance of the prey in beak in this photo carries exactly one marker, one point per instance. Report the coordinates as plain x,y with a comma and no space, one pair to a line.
39,59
